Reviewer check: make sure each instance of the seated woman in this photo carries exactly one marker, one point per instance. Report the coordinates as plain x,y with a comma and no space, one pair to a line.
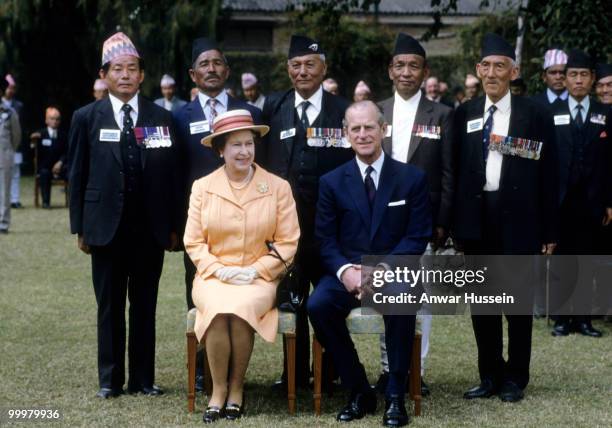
232,213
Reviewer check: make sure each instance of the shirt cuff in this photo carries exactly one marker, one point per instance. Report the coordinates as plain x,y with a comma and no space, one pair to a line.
342,269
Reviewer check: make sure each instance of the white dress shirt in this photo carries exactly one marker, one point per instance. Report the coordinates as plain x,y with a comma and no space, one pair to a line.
168,104
501,123
221,106
118,113
259,102
585,103
404,112
377,165
52,132
552,97
314,108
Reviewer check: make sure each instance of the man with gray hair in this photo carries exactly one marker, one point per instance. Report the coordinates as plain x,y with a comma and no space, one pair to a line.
305,141
10,136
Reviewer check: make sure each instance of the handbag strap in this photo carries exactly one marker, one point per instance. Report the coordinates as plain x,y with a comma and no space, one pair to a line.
272,248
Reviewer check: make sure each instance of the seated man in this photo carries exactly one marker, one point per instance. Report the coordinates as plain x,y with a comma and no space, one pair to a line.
372,205
51,151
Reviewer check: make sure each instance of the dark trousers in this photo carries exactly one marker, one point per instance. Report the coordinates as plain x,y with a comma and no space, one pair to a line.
45,176
328,307
190,272
131,265
488,328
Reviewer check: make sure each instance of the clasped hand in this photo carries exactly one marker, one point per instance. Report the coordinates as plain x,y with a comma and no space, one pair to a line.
237,275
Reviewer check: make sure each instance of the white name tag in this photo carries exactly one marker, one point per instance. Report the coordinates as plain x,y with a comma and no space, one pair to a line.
562,119
110,135
46,142
397,203
599,119
389,131
474,125
199,127
287,133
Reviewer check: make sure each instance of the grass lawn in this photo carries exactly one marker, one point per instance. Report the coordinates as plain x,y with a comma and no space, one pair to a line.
48,352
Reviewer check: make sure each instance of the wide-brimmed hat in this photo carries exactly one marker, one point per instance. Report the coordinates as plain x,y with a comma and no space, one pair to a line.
233,120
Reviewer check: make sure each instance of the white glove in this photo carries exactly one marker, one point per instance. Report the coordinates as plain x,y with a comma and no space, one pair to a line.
244,277
227,272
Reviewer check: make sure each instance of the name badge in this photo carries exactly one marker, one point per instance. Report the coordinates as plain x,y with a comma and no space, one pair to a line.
110,135
46,142
599,119
562,119
153,137
389,131
199,127
475,125
397,203
287,133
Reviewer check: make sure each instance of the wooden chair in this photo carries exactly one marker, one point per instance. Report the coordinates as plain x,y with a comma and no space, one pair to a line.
286,327
366,321
54,181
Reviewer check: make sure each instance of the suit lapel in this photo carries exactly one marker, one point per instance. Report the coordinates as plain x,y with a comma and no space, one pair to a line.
355,186
475,138
287,113
387,107
422,117
519,123
107,121
384,191
144,113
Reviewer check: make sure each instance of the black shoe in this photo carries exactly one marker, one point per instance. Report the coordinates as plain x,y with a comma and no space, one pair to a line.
381,383
199,383
395,412
109,393
3,231
486,389
560,329
212,414
359,405
424,389
586,329
280,386
16,205
510,392
46,206
233,411
146,390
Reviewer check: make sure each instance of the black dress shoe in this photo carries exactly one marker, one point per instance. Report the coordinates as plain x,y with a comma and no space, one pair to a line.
586,329
510,392
146,390
560,329
233,411
381,383
212,414
486,389
359,405
395,412
109,393
16,205
424,389
4,231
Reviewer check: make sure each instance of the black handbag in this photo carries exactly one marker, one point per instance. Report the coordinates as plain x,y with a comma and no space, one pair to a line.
288,297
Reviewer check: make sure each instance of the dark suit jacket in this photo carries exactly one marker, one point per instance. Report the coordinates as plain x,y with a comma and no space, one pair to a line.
528,188
279,114
97,180
597,155
196,159
49,155
435,157
346,228
177,103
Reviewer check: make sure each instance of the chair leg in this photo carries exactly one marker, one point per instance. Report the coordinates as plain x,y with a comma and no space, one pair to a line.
290,354
36,192
415,374
317,357
191,369
207,376
66,203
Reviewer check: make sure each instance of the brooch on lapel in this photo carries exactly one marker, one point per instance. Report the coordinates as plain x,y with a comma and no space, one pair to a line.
262,187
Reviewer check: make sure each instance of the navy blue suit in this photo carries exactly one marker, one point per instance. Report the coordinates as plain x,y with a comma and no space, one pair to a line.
198,160
348,229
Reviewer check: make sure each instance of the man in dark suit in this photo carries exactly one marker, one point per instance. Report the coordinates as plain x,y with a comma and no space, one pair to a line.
505,204
553,77
169,100
124,206
209,71
603,83
420,133
372,205
304,143
51,147
583,138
